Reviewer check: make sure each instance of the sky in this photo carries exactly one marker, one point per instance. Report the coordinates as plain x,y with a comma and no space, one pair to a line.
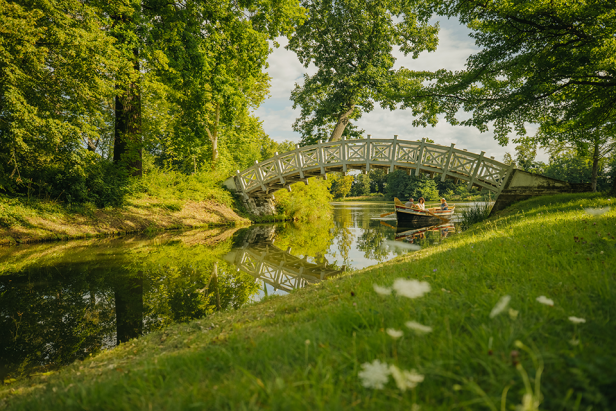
455,46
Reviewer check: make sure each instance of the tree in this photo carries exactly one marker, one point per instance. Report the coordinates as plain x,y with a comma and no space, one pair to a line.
539,61
58,71
341,185
361,185
351,42
596,143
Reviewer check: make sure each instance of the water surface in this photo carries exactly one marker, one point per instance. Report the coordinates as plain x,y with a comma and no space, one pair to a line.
60,302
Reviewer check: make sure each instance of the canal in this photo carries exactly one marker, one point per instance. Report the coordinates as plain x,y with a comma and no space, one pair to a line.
64,301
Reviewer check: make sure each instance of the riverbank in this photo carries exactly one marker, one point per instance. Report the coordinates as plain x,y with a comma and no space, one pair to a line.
40,220
305,350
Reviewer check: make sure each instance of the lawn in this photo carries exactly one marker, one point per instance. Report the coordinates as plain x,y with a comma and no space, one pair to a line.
555,257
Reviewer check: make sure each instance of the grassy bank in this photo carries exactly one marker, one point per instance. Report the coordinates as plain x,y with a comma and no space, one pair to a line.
158,201
306,350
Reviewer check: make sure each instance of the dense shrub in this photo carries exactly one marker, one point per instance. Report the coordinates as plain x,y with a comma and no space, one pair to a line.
305,202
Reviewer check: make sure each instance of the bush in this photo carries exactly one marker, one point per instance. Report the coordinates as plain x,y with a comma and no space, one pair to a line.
174,185
305,202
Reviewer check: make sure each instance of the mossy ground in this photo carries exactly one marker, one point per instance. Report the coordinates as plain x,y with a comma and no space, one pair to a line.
304,350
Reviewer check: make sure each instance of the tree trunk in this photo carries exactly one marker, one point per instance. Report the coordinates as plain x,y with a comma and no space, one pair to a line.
343,121
595,167
213,135
127,146
129,307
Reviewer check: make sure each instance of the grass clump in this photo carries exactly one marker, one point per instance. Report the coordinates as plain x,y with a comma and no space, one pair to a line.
475,214
553,257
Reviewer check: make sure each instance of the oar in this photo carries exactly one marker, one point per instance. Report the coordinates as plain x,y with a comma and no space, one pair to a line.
386,214
388,225
434,215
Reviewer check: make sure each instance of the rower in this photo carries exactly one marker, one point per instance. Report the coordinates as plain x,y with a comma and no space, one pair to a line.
444,205
409,203
422,204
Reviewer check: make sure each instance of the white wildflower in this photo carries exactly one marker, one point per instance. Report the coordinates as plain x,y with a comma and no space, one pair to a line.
574,342
395,334
374,375
411,288
513,314
420,328
382,290
500,306
597,211
576,320
545,300
405,379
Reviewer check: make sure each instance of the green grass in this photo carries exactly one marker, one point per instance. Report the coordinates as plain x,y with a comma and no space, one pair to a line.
475,214
304,351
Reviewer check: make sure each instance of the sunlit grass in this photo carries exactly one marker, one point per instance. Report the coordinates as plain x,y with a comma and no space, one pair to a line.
306,350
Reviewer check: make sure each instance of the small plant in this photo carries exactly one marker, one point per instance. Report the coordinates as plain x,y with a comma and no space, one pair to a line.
475,214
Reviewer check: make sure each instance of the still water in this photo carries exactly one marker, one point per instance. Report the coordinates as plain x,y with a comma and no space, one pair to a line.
64,301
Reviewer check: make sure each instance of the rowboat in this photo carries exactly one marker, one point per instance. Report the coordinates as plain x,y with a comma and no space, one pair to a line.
413,217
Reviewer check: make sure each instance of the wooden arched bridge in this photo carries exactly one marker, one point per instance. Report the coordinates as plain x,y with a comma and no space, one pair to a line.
260,181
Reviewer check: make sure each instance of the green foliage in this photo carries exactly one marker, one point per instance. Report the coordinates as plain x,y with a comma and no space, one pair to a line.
306,202
340,185
403,186
351,43
173,185
85,83
361,185
537,63
378,180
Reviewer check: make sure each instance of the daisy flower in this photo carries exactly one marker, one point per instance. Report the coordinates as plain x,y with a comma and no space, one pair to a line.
374,375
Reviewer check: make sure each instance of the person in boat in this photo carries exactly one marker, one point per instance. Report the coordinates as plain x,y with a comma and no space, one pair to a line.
410,203
422,204
444,205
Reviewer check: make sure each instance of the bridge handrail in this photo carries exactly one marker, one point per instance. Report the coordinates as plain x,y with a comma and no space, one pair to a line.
393,153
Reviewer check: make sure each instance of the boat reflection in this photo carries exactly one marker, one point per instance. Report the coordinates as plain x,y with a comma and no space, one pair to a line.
280,269
411,235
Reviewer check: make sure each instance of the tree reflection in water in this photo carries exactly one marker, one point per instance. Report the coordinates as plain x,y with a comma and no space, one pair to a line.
59,304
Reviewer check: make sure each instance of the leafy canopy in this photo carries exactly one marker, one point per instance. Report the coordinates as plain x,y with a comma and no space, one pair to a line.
351,43
540,61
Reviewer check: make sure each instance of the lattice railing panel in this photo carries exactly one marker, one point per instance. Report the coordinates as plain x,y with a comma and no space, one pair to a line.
310,158
435,157
332,154
268,169
407,154
357,152
250,179
491,173
381,151
461,163
288,163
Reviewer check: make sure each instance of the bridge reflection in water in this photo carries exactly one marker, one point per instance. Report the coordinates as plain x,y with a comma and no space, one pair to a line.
280,269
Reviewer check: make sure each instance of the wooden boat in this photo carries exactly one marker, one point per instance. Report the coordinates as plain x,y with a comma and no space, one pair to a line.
413,217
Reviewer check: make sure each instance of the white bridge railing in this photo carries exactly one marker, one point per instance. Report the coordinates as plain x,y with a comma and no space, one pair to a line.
262,179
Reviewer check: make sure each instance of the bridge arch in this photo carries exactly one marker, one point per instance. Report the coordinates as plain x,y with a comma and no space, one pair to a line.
263,179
